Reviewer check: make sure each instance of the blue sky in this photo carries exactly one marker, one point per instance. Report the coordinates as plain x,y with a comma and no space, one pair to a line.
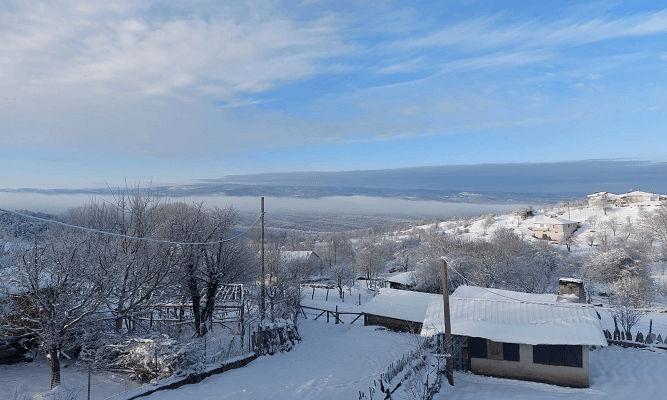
171,91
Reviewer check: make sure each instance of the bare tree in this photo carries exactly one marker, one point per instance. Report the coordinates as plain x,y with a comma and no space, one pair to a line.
627,316
139,268
488,222
54,292
612,224
372,255
604,202
218,260
567,240
338,257
592,221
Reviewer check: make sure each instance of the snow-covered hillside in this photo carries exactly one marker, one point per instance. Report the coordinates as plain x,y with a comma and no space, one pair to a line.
592,220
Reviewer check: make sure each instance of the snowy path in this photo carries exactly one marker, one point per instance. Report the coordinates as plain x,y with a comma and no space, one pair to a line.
615,373
332,362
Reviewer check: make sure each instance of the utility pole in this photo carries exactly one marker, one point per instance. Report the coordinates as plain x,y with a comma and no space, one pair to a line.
262,296
449,348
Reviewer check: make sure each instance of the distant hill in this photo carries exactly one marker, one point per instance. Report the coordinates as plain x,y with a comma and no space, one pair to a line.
479,183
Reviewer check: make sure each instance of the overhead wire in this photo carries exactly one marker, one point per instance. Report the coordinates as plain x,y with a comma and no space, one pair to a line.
564,305
51,221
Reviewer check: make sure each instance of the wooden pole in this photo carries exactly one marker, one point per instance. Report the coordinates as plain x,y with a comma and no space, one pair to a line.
262,296
449,348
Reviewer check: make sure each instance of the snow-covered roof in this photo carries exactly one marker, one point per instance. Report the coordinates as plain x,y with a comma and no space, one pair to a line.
296,255
572,280
599,195
553,221
404,278
405,305
638,193
521,322
476,292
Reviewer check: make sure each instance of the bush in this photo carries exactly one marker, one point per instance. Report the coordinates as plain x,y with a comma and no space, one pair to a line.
145,359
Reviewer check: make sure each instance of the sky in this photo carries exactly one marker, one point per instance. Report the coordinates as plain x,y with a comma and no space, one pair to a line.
98,92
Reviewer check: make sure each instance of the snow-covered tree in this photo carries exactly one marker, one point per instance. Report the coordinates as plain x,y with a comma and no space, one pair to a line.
54,291
216,261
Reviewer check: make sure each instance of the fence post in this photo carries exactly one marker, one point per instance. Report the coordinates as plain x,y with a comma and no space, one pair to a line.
337,318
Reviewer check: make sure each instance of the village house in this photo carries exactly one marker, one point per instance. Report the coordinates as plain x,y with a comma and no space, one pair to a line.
519,339
404,280
552,228
637,196
536,337
633,196
306,261
599,198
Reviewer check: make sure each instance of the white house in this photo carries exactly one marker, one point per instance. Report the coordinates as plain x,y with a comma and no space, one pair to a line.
637,196
518,336
552,228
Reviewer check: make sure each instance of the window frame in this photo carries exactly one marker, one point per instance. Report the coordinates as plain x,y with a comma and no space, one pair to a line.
559,355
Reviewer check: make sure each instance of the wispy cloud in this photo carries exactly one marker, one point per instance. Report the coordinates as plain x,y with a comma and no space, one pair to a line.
95,49
499,30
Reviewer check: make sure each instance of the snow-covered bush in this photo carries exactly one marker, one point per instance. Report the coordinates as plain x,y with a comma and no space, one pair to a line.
145,359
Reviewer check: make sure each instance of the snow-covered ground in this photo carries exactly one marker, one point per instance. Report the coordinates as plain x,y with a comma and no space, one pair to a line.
332,362
615,373
338,361
32,381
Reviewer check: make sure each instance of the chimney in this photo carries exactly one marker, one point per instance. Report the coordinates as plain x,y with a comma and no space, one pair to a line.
571,290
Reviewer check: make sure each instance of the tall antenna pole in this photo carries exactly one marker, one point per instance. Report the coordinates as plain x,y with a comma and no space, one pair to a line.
449,348
262,297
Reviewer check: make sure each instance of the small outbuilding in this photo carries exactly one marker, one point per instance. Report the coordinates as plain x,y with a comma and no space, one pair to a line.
398,310
404,280
511,335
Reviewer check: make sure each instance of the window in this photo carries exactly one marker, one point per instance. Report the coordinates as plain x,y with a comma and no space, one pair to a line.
510,352
478,347
573,356
567,355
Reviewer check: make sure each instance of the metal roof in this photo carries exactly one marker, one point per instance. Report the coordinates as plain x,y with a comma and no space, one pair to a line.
511,321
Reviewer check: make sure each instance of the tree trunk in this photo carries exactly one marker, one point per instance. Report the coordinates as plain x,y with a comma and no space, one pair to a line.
54,363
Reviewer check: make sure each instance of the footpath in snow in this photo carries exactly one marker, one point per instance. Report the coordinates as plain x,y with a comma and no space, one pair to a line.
332,362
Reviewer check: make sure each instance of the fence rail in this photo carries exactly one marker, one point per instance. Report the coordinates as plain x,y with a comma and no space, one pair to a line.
335,314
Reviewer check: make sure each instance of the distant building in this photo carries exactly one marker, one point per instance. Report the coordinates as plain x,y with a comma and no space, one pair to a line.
398,310
599,198
552,228
636,196
633,196
404,280
307,263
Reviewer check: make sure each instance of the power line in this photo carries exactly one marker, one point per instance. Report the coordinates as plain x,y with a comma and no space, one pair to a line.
564,305
50,221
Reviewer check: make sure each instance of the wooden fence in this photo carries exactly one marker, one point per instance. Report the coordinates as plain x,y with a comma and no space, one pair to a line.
336,315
